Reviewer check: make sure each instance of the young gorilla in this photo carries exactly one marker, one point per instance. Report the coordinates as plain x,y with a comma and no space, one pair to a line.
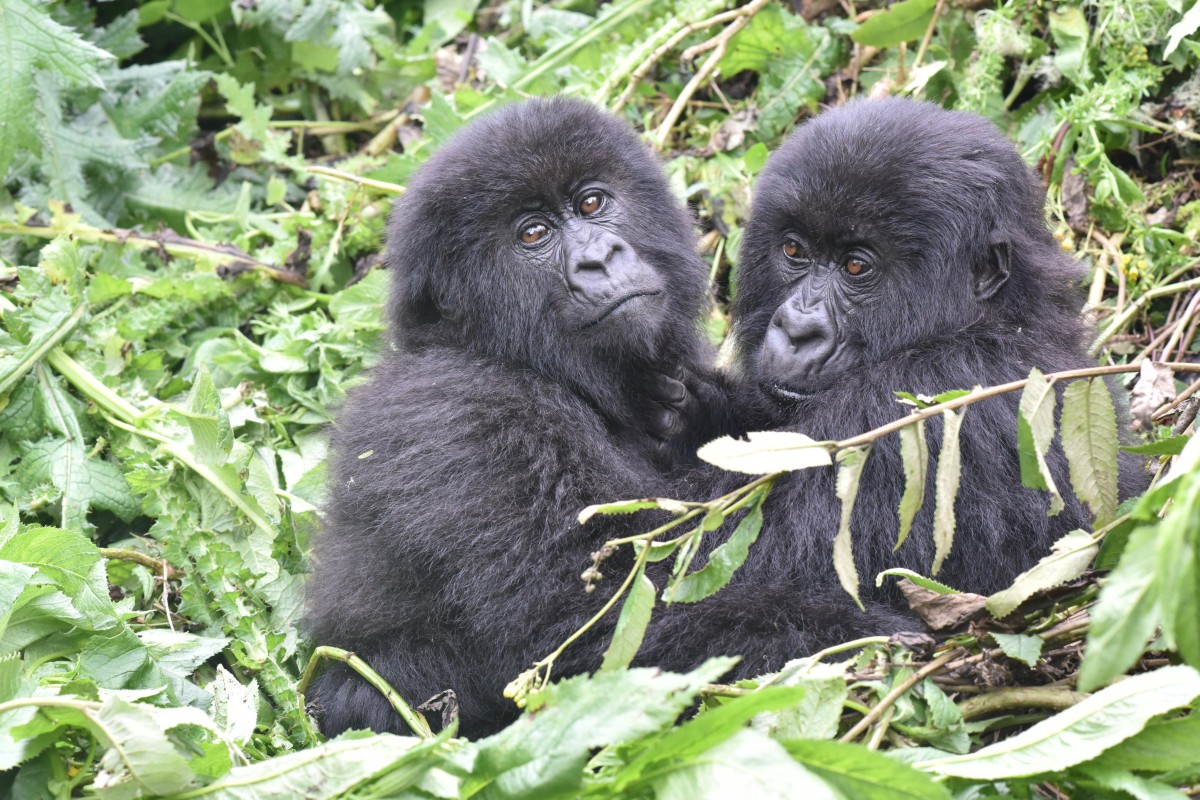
546,296
894,245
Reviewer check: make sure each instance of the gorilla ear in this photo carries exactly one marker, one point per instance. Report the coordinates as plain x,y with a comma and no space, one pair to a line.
993,273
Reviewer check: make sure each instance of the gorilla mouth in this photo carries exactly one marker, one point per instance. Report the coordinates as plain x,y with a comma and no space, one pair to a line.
617,305
786,394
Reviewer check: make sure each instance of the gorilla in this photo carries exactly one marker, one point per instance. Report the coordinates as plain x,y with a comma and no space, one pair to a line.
894,245
546,355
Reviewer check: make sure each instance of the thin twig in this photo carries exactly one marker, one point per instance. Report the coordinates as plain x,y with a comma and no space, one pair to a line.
891,697
717,45
414,719
937,12
329,172
150,562
1122,319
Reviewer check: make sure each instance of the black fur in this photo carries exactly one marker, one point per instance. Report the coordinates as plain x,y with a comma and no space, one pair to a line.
934,196
451,557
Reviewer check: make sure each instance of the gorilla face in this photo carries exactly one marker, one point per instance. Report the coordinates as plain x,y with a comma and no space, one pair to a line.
609,289
545,234
863,245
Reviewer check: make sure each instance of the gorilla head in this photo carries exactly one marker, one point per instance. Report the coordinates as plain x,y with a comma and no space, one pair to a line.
540,235
883,225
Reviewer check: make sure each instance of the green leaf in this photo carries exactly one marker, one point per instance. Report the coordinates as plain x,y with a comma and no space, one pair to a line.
1127,783
746,764
1020,646
631,624
859,773
1178,538
1069,558
212,435
1188,24
917,578
1089,439
1170,446
723,562
949,470
1080,733
631,506
764,452
72,563
901,22
139,754
1162,746
31,42
850,467
1069,29
914,452
335,767
1126,615
1035,431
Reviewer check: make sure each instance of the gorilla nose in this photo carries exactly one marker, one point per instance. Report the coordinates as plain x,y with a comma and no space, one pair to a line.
596,263
797,344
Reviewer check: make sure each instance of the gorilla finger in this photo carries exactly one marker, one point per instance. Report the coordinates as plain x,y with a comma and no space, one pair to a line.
668,390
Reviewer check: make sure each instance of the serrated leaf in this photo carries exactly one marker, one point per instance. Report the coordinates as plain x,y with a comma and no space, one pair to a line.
850,467
1035,431
764,452
1126,614
631,624
862,774
949,471
31,41
1020,646
914,453
901,22
1080,733
619,507
212,435
1069,558
747,764
1089,439
917,578
723,562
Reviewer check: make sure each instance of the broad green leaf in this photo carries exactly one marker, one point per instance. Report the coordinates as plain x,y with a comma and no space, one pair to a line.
949,470
1127,783
722,562
859,773
1171,446
1178,539
1080,733
1089,439
901,22
1162,746
450,17
361,306
764,452
72,563
335,767
631,624
212,435
1126,615
548,747
818,714
747,764
914,452
917,578
1035,431
850,468
32,42
1069,558
1187,25
139,754
1020,646
1069,29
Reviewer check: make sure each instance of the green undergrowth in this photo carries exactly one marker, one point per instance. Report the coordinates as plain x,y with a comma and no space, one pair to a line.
193,202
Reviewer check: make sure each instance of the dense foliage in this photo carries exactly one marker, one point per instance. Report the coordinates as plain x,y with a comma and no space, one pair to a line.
191,213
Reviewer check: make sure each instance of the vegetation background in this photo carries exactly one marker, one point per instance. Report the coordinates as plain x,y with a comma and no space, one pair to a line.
194,194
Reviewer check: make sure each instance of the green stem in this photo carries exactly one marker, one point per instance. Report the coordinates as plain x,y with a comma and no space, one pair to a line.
40,350
414,719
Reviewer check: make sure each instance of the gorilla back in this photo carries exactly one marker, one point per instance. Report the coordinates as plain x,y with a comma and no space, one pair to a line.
545,292
894,245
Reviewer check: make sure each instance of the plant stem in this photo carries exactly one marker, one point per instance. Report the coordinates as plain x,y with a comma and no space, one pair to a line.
414,719
891,697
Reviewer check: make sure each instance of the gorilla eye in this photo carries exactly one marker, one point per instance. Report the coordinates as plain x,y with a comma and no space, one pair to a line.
856,266
532,233
790,248
591,203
